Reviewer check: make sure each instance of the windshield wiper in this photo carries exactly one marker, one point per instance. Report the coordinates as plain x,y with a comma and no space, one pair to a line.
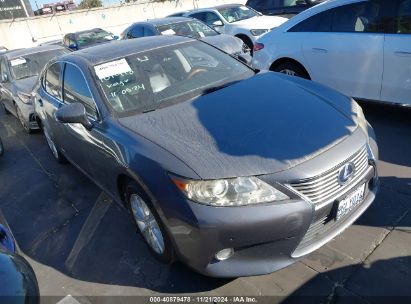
216,88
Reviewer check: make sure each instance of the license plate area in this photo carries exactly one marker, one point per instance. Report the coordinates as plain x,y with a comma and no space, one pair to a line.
351,201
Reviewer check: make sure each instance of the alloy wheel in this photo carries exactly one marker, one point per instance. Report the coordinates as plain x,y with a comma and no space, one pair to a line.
147,224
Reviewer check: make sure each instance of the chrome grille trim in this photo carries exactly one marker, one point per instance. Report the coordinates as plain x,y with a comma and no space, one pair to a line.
324,189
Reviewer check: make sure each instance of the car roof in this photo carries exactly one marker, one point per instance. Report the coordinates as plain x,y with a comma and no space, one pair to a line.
85,31
165,20
323,6
21,52
214,8
122,48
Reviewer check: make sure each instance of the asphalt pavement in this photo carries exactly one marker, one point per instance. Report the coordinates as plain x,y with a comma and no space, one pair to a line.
85,248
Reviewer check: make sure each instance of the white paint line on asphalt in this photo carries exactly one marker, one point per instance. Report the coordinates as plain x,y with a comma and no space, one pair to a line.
89,228
68,300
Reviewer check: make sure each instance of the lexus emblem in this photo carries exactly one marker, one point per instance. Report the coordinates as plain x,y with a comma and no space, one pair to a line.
346,173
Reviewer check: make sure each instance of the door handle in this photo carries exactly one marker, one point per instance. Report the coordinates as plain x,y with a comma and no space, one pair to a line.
320,50
403,54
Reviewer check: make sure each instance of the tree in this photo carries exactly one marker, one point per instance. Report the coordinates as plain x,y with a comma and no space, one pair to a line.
90,4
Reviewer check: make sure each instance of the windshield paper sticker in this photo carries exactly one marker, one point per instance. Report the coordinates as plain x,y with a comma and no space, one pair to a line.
112,68
168,32
18,61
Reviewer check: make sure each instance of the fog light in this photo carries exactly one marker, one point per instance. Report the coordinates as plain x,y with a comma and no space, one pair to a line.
224,254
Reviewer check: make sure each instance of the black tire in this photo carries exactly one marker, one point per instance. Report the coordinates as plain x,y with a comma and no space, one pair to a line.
247,41
5,110
132,188
55,151
292,69
1,148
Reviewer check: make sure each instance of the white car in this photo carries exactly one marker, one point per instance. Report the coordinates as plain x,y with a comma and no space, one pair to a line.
361,48
237,20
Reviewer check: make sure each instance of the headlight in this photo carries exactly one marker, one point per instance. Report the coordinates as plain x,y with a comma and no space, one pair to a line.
233,192
360,118
258,32
25,98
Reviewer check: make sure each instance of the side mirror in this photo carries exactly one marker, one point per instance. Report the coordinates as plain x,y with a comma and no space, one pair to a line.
74,113
115,37
73,46
4,78
217,23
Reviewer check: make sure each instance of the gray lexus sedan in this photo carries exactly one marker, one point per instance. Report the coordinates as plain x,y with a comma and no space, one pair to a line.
19,70
232,171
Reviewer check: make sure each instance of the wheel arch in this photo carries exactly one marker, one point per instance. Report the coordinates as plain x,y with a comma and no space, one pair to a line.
283,60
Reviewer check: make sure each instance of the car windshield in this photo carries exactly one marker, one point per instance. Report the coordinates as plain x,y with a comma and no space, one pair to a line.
237,13
91,37
194,29
160,77
31,64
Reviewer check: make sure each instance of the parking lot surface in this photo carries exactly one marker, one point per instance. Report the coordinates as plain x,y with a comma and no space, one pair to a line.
82,244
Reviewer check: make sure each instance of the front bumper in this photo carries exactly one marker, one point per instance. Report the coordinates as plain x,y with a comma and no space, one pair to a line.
27,110
267,237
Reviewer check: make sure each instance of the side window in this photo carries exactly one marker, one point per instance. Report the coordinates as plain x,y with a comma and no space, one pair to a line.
211,18
288,3
75,89
148,32
357,17
317,23
136,32
199,16
52,81
403,21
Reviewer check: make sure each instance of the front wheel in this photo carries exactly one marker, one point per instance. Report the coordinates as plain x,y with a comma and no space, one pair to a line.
149,223
292,69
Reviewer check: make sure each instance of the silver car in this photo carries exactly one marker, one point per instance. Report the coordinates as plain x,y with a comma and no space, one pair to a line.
19,70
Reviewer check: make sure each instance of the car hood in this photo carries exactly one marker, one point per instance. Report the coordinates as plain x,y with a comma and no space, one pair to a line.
227,43
25,85
265,124
261,22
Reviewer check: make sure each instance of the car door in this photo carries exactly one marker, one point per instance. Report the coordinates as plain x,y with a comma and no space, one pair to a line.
6,95
345,49
396,85
91,150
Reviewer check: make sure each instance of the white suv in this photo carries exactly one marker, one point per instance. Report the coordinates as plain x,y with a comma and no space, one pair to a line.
361,48
237,20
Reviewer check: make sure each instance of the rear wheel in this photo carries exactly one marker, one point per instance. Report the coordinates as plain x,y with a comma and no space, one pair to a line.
247,41
56,153
149,223
292,69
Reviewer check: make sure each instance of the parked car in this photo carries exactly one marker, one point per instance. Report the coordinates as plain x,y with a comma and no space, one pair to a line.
19,70
191,28
84,39
237,20
361,48
231,171
18,283
286,8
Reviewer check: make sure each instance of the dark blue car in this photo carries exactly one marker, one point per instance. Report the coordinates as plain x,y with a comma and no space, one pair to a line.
230,170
